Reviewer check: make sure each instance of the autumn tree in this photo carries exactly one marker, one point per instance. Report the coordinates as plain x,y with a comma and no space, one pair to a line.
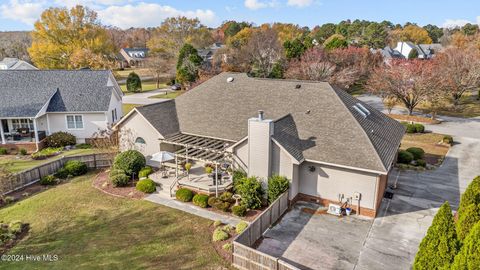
161,65
411,33
470,29
312,65
264,52
241,38
188,64
288,31
231,28
70,39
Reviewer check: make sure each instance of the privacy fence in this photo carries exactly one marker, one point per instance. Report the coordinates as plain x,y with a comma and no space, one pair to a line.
30,176
246,257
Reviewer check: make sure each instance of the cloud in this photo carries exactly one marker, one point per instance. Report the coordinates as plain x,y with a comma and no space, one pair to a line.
452,23
300,3
24,11
256,4
95,4
149,14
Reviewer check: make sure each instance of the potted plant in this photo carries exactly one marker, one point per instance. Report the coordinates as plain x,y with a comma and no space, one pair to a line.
208,169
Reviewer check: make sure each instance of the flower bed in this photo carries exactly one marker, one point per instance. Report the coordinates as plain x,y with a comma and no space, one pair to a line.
103,183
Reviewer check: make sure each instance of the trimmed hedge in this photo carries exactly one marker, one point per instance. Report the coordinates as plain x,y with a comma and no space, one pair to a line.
62,173
417,152
48,180
448,139
219,235
60,139
146,186
419,128
200,200
120,180
404,157
76,168
130,161
239,210
421,163
145,172
184,195
3,151
411,128
276,186
241,226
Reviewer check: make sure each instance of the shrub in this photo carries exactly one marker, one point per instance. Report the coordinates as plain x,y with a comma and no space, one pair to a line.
23,151
3,151
217,223
228,247
184,195
223,206
241,226
251,191
47,152
208,170
134,84
421,163
469,217
8,199
212,201
419,128
145,172
469,255
448,139
219,235
239,210
15,227
62,173
470,197
417,152
130,161
83,146
188,166
60,139
439,246
48,180
76,168
114,172
226,197
200,200
405,157
411,128
146,186
276,186
120,180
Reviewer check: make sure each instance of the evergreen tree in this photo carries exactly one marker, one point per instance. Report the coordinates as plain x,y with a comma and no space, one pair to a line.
294,48
335,41
188,64
134,84
439,247
469,210
469,256
375,36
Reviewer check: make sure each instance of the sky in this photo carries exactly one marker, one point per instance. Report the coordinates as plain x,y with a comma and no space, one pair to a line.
21,14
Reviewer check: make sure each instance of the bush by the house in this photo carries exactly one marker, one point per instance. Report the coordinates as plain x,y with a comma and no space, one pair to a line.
405,157
120,180
276,186
23,151
222,206
413,128
212,201
237,176
62,173
241,226
217,223
228,247
469,202
3,151
114,172
47,152
83,146
469,255
227,197
421,163
239,210
419,128
146,186
251,191
200,200
448,139
439,247
219,235
60,139
76,168
130,161
145,172
417,152
48,180
184,195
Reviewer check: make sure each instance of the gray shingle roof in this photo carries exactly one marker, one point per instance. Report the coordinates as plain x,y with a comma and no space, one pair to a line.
15,63
70,91
162,116
314,122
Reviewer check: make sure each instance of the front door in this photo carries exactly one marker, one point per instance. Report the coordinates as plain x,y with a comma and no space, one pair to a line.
5,126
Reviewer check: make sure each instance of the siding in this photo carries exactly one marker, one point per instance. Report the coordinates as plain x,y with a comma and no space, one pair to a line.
240,155
282,164
92,122
115,103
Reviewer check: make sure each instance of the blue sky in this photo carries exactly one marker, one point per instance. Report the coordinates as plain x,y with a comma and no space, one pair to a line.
21,14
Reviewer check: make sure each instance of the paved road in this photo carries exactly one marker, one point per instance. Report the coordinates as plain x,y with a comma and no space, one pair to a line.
403,221
143,98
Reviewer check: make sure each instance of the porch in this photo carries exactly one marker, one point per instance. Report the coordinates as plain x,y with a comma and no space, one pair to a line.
21,133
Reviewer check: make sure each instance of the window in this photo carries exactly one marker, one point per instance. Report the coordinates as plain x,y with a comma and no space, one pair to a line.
114,115
74,122
140,140
22,123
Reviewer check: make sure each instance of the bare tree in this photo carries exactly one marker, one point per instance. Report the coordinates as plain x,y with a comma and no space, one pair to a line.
161,65
264,51
313,65
389,102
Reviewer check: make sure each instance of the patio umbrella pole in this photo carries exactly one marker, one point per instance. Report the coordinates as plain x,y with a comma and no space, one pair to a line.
216,180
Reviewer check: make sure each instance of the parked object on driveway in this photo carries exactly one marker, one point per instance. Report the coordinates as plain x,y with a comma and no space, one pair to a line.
176,87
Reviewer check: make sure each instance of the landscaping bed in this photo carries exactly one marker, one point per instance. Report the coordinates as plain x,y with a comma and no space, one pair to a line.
432,144
414,118
10,234
103,183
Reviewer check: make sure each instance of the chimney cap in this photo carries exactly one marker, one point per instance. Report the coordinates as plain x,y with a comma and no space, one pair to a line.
260,114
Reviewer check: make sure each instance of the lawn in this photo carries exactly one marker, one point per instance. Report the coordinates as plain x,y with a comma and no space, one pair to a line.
123,74
147,86
88,229
169,95
128,107
19,163
429,143
469,106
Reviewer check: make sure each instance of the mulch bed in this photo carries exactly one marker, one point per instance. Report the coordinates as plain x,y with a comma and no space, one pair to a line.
226,255
8,245
413,118
103,183
26,192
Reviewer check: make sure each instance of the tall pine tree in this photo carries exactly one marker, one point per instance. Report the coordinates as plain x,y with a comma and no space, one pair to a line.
469,209
439,247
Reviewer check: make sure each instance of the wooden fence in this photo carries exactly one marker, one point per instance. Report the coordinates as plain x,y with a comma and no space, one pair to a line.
246,257
30,176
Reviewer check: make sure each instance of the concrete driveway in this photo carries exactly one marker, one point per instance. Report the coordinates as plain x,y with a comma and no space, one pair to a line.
143,98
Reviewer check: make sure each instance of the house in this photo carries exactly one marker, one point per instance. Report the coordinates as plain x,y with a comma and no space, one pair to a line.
15,63
403,50
129,57
37,103
208,53
330,145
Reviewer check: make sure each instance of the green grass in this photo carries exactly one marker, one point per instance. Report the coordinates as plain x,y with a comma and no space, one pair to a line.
469,106
123,74
147,86
24,163
88,229
169,95
128,107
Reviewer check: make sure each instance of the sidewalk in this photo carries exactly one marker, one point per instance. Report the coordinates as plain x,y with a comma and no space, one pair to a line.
170,202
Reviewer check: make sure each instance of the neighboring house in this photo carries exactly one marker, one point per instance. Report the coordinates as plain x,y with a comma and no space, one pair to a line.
325,141
15,63
37,103
208,53
132,57
403,50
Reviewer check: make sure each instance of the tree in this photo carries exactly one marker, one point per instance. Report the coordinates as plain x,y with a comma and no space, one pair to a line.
160,64
469,256
287,31
434,32
188,64
134,84
375,36
470,29
294,48
241,38
439,247
312,65
174,32
469,209
459,70
264,52
335,41
231,28
321,33
411,33
389,102
66,39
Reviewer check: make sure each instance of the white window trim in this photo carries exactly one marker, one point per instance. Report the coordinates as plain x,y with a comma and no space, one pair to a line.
66,121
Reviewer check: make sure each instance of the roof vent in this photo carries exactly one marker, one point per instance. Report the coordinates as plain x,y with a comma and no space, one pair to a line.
260,115
298,86
230,79
363,114
307,112
365,110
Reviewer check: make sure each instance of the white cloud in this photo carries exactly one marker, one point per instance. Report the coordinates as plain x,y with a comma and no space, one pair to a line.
149,14
24,11
300,3
256,4
452,23
95,4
